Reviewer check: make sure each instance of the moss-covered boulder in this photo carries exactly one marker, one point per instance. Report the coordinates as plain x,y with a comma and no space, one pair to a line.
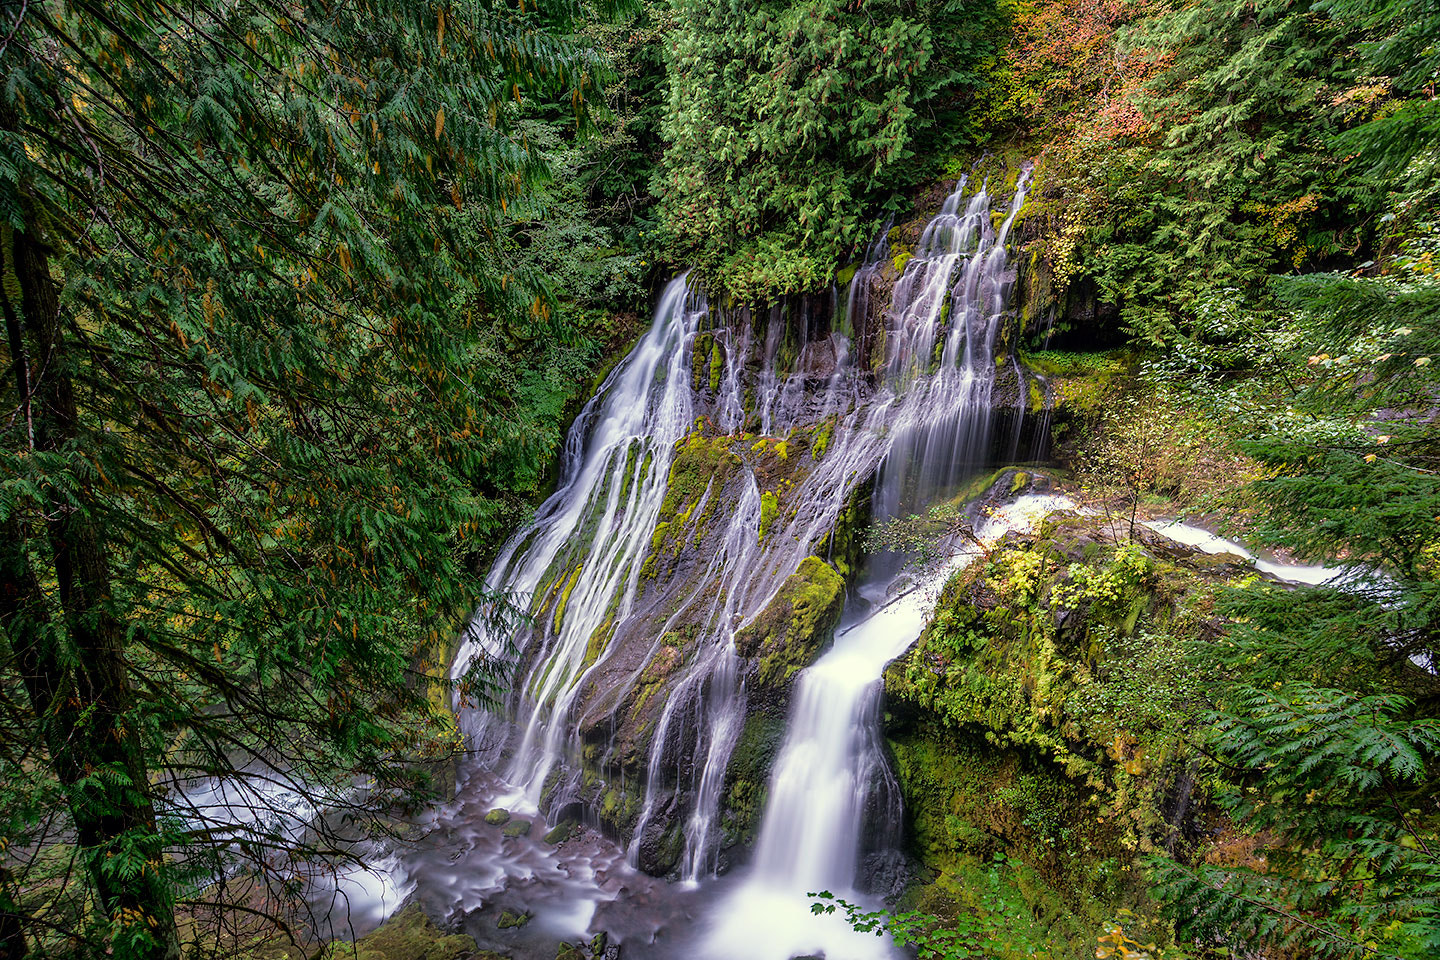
561,832
410,935
510,919
786,636
1044,713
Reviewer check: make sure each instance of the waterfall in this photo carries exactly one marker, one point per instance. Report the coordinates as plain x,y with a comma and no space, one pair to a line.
818,794
578,564
581,553
943,431
941,371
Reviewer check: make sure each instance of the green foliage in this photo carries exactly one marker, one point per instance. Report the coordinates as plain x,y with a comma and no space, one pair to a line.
1326,727
789,123
999,925
276,384
1346,790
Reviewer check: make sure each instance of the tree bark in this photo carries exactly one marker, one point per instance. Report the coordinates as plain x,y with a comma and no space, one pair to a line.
81,693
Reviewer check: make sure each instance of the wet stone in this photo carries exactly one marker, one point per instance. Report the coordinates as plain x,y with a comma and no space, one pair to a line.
518,828
560,832
510,919
497,816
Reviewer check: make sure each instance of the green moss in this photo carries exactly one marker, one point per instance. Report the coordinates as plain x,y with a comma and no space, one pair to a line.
632,453
565,599
699,356
748,776
1039,709
1037,400
497,816
518,828
560,832
792,628
769,510
409,935
877,349
782,450
822,438
599,640
1058,363
699,462
717,365
509,919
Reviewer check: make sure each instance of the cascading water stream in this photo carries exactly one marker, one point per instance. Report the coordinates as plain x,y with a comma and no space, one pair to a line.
581,554
579,561
810,837
818,793
943,429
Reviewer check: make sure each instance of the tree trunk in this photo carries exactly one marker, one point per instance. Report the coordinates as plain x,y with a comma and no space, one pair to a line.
81,695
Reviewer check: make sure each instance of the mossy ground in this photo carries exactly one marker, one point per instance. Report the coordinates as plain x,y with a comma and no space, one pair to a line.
410,935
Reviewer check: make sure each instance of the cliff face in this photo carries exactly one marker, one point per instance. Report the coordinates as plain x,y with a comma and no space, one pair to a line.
688,580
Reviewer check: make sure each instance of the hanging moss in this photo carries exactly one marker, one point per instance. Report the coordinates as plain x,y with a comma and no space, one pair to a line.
565,599
699,357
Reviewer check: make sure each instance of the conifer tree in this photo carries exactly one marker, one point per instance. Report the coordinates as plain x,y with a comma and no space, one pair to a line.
1327,727
243,446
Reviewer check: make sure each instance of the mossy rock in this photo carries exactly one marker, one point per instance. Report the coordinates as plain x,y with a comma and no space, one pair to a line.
1043,710
509,919
410,935
518,828
497,817
560,832
568,951
701,463
792,628
747,777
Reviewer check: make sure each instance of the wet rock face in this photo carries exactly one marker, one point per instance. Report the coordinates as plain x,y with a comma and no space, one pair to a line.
792,629
660,847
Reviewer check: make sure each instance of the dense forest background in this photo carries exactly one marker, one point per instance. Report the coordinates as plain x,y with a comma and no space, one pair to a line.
300,297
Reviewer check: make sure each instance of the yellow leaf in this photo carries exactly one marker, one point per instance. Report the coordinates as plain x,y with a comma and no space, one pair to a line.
439,122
